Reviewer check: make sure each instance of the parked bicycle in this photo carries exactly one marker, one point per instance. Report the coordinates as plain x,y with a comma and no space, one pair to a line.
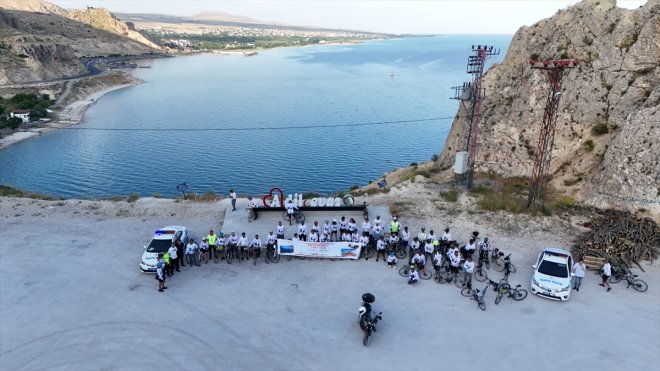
504,288
502,264
271,255
297,215
424,273
477,295
632,279
480,273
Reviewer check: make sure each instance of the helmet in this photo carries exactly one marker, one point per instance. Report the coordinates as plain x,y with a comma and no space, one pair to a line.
362,310
368,297
221,234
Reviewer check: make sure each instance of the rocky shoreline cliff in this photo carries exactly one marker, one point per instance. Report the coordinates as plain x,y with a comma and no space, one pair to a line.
608,126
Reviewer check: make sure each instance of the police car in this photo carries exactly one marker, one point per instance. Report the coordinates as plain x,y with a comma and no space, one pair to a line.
161,241
552,274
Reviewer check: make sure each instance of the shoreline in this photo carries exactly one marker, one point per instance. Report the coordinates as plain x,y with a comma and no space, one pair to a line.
71,114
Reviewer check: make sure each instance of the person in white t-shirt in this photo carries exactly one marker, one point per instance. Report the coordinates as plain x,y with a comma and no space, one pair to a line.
325,237
437,260
355,237
580,270
352,226
378,230
302,231
315,227
446,237
413,276
606,272
405,238
335,229
364,241
454,262
345,236
419,260
391,260
233,197
393,241
327,228
255,245
468,270
271,243
380,247
414,246
290,209
468,249
174,257
428,249
366,226
313,237
242,246
191,253
280,230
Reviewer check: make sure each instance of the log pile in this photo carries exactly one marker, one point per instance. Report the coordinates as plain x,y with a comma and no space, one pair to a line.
621,238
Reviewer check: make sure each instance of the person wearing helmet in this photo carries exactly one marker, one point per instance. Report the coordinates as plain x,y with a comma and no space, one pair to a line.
220,244
378,230
428,248
413,276
395,225
232,244
391,259
484,249
421,236
271,242
243,245
419,259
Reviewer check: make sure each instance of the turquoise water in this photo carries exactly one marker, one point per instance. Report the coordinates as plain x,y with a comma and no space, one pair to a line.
318,118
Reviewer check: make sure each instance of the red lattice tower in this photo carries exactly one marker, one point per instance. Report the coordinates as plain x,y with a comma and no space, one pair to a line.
555,70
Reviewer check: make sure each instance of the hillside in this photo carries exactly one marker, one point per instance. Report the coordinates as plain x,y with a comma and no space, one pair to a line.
608,126
40,41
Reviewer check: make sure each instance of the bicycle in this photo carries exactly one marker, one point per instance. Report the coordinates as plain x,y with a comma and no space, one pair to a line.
443,275
271,256
423,273
297,215
630,278
516,293
251,214
231,253
502,264
400,250
254,253
477,295
480,274
220,252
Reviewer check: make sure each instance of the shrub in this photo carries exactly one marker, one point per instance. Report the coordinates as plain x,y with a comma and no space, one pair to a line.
115,198
504,201
156,195
564,201
450,195
587,40
413,164
599,129
133,197
434,158
589,145
482,189
353,188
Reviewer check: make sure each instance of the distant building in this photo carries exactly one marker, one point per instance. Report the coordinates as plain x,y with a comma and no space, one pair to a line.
22,114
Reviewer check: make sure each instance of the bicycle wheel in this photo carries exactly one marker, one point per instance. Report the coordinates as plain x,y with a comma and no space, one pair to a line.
519,294
480,275
348,200
459,281
616,278
400,252
498,298
365,339
482,306
289,257
498,265
267,257
370,252
425,274
229,256
487,264
404,271
640,285
300,217
216,256
285,215
275,258
512,268
467,292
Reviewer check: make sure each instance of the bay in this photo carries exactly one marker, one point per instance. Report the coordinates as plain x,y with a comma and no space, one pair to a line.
310,119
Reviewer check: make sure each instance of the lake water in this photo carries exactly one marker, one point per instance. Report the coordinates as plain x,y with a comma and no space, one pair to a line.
319,118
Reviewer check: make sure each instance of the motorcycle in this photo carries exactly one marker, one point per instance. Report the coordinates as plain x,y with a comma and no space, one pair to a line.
368,325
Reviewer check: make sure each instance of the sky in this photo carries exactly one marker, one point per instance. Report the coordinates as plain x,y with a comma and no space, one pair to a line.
389,16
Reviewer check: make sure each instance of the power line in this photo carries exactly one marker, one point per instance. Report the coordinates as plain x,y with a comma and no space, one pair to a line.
259,128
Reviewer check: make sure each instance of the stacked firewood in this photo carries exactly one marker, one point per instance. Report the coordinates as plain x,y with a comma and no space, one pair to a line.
621,238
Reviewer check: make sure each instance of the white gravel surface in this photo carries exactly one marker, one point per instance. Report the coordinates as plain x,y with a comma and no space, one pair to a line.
72,298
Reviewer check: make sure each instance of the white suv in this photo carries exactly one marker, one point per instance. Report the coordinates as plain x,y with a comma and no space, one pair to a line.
552,274
159,244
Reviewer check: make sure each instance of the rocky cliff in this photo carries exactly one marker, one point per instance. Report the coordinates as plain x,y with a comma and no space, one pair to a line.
606,150
40,41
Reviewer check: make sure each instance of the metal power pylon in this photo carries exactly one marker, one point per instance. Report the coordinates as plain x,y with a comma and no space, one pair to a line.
555,70
470,94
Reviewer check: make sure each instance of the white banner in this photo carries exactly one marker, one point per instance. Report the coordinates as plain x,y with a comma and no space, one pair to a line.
340,250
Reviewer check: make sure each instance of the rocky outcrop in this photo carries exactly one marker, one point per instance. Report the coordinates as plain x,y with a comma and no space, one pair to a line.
40,41
605,151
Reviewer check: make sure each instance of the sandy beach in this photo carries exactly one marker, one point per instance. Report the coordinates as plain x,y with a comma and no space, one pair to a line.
83,301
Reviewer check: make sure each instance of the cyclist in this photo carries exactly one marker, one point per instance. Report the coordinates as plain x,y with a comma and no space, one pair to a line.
437,260
484,249
452,250
414,245
355,237
468,268
378,230
251,206
413,276
325,237
280,230
255,246
232,243
335,228
366,226
364,241
271,242
302,231
428,248
395,225
327,228
314,237
212,239
191,252
454,262
204,248
393,241
468,249
343,225
391,260
315,227
243,245
419,260
352,226
405,237
220,245
446,238
421,236
346,237
290,209
380,247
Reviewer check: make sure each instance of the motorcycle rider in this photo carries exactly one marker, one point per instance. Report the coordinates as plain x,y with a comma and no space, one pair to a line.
365,313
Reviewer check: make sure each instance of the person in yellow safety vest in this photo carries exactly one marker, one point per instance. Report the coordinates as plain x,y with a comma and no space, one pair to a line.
168,265
212,239
395,225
